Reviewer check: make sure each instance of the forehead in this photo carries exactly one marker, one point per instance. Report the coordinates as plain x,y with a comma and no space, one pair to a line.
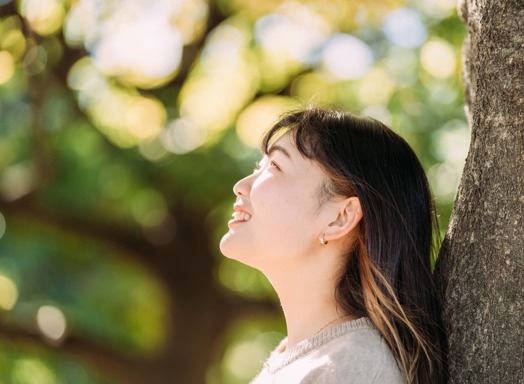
285,145
287,142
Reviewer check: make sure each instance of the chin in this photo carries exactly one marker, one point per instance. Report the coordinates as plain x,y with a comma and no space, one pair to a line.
233,251
223,244
227,247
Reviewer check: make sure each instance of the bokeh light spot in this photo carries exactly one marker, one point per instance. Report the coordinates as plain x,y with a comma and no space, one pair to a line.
346,58
294,38
258,117
243,358
35,60
51,321
190,18
45,16
452,142
83,75
404,27
32,371
438,58
183,135
138,43
249,347
145,117
376,87
451,147
16,181
236,277
121,113
78,22
223,51
218,89
11,38
8,293
444,179
7,67
153,150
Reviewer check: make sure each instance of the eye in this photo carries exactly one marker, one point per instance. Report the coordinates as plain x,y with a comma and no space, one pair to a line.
273,164
268,164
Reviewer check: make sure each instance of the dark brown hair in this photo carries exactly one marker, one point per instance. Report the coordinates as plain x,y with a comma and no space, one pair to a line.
387,276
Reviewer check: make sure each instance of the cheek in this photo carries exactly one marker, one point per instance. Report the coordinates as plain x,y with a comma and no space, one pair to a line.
272,201
285,213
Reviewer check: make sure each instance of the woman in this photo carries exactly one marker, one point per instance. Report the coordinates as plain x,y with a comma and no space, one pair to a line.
339,216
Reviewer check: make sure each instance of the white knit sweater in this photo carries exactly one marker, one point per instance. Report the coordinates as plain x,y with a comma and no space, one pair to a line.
351,353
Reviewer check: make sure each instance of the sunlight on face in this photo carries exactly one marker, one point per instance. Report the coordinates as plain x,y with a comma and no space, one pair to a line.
281,201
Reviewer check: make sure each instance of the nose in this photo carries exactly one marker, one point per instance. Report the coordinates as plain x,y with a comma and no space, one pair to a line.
243,186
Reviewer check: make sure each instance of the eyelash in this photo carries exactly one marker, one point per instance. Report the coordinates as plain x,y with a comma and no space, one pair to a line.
271,164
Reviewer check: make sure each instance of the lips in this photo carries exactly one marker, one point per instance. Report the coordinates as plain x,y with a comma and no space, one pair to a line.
240,215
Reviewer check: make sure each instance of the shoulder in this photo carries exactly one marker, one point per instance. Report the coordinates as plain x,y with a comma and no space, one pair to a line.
358,357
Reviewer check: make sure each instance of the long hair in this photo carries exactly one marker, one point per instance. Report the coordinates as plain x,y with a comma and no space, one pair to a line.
387,275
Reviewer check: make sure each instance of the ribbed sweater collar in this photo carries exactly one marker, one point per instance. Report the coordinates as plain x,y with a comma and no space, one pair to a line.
279,358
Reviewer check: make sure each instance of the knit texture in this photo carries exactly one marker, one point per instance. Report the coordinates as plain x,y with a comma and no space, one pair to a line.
352,352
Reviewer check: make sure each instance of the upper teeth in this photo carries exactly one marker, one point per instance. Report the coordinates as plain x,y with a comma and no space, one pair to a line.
241,216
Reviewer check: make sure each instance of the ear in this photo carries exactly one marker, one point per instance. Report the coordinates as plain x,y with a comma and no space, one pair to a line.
349,215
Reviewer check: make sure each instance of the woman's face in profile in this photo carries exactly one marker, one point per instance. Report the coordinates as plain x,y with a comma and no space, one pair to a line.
277,215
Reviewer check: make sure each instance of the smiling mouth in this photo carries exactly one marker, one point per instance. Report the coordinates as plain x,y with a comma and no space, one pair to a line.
241,216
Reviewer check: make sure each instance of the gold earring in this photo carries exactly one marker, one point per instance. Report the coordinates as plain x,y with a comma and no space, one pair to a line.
324,242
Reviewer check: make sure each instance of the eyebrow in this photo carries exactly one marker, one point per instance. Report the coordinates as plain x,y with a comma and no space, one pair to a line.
276,147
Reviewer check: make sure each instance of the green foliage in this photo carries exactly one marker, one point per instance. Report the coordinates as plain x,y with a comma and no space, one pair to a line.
23,364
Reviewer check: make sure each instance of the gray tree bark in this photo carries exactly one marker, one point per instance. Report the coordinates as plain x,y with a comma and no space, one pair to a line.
480,265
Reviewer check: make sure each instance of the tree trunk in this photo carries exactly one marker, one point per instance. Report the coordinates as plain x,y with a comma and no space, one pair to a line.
480,265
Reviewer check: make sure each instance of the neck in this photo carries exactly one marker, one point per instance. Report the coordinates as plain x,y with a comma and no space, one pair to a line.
307,296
